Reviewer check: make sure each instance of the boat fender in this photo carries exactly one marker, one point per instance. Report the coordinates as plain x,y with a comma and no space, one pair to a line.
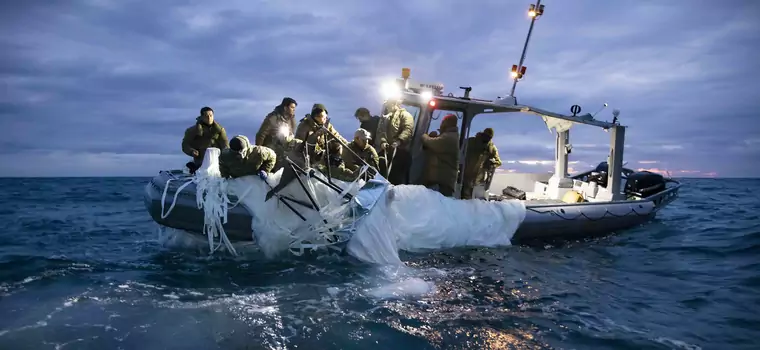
572,197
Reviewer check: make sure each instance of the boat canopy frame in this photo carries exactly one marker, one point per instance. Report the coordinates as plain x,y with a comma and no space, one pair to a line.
468,108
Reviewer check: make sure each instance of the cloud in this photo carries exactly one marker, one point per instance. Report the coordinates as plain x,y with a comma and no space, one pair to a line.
107,87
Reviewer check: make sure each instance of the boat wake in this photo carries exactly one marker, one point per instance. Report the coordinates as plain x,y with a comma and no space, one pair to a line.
376,222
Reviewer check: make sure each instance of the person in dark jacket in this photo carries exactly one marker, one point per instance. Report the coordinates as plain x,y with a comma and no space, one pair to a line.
367,121
482,158
315,130
361,147
278,124
337,166
442,157
243,159
204,134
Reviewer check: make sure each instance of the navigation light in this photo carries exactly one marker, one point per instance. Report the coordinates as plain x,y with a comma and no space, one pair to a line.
405,73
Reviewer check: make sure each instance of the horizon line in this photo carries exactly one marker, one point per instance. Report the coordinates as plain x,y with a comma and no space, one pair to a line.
150,176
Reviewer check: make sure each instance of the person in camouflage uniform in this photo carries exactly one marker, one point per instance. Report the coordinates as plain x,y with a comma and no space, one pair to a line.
311,138
482,157
204,134
291,147
442,157
314,130
365,152
338,169
394,131
367,121
243,159
278,124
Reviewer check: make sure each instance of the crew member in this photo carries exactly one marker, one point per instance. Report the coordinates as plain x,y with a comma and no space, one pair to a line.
315,130
361,152
394,134
282,120
367,121
243,159
442,157
289,147
204,134
482,158
337,167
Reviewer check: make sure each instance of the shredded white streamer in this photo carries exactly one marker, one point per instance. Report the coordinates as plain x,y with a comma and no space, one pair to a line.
211,197
332,225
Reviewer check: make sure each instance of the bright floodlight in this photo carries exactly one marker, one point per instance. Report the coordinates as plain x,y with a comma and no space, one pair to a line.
391,90
427,95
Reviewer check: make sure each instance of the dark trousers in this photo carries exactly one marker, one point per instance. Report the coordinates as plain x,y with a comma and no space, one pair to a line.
400,166
194,165
466,192
445,190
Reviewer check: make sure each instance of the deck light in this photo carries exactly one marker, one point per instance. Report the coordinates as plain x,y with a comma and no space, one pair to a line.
534,11
426,95
518,74
431,103
391,90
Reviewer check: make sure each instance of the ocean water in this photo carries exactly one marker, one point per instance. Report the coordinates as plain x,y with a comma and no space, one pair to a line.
81,268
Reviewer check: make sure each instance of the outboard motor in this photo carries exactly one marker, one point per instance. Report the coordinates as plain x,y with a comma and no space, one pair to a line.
644,184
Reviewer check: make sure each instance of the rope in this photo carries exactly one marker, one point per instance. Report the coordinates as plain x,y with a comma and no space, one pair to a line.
338,227
211,196
606,212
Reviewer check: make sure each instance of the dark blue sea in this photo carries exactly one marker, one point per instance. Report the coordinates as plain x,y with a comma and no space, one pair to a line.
81,268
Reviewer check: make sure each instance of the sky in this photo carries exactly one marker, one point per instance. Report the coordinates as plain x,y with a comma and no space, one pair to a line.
107,87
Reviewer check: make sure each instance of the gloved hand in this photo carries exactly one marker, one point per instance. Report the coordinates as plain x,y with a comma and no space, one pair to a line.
394,144
263,175
433,133
384,145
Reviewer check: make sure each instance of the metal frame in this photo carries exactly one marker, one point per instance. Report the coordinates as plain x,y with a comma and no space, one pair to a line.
470,108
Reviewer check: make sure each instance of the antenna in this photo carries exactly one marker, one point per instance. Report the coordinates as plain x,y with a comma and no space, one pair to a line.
601,109
615,114
534,11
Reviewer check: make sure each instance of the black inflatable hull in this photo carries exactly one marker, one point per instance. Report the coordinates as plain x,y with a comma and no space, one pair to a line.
544,220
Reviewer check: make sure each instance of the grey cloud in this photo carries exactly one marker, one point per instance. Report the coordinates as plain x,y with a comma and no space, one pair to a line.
128,77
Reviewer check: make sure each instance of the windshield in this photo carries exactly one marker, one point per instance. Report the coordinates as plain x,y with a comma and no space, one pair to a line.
413,110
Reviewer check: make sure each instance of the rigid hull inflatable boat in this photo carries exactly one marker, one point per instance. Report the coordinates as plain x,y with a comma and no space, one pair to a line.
547,217
557,205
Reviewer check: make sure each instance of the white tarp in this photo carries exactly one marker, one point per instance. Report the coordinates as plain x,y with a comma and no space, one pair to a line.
414,218
407,217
